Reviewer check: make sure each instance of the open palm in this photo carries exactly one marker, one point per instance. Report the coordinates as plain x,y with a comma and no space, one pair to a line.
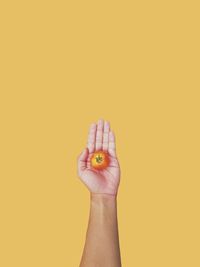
105,181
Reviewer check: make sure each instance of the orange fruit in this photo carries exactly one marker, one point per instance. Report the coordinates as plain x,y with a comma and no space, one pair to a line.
100,160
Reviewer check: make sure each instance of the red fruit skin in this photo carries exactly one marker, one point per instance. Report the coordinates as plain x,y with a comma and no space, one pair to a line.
100,160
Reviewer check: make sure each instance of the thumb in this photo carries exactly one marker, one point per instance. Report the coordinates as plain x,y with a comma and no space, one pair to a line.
82,159
83,155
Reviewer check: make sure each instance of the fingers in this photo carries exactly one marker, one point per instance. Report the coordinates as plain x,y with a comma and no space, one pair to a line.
106,135
92,137
99,135
82,160
111,144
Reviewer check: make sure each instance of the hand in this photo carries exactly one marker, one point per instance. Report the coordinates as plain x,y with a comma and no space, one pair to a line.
104,181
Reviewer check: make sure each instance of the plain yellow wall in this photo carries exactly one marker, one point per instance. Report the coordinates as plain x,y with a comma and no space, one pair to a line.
64,65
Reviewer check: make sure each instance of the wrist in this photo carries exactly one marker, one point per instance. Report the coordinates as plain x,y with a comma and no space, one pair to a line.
103,197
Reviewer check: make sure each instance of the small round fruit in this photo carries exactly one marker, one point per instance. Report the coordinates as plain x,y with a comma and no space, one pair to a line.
100,160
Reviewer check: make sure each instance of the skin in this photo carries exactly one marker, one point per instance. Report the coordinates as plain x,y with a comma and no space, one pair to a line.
102,247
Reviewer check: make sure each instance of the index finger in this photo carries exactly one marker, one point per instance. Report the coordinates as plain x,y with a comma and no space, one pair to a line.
92,137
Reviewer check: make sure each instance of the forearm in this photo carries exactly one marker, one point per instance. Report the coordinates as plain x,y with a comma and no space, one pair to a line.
102,239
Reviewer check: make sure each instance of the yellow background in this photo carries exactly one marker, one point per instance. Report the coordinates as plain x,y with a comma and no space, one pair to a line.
64,65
